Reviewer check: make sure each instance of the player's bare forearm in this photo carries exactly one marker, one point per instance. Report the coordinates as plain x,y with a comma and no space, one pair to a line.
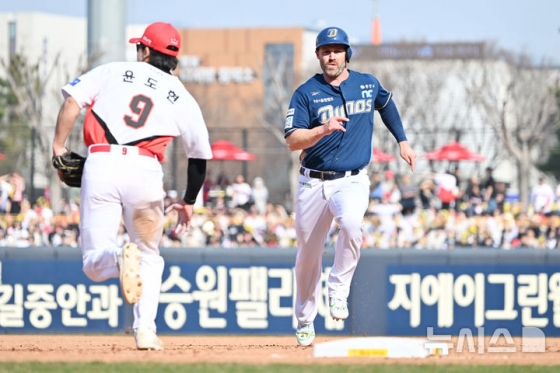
408,154
303,138
306,138
69,112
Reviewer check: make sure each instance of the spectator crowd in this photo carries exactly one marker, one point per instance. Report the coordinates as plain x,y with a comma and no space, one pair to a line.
439,212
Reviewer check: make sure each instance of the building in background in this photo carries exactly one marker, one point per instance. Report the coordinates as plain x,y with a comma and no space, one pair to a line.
55,45
225,69
243,79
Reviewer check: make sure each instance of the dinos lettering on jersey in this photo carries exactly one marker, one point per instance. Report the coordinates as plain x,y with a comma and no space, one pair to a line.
352,107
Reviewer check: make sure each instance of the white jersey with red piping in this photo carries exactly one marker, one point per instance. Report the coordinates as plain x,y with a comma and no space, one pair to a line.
134,103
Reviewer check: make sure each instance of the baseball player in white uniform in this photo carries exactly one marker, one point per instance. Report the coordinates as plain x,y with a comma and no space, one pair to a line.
134,109
330,119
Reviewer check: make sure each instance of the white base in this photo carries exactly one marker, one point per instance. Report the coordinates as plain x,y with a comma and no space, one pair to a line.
386,347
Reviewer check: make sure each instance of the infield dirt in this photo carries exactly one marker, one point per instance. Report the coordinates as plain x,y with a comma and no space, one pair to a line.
231,349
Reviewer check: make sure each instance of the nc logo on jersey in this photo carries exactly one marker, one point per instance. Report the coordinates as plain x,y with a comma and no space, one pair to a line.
367,93
75,81
332,33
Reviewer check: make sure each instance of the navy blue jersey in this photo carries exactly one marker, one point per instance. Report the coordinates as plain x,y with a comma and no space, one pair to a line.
316,101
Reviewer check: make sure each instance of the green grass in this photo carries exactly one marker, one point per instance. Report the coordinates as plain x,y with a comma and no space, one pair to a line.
241,368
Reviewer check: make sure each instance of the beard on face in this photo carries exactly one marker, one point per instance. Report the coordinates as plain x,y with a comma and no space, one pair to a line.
329,71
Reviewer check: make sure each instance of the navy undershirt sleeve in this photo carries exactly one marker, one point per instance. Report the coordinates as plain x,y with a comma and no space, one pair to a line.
392,119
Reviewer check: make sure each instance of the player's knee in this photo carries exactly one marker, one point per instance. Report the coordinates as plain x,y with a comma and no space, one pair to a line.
352,227
92,275
93,269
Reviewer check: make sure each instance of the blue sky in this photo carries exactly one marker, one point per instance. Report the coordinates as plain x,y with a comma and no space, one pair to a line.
529,26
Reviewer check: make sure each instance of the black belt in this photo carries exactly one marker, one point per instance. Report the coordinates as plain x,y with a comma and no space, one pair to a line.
327,175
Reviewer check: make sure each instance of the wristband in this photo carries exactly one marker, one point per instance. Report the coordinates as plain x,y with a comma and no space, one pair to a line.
189,201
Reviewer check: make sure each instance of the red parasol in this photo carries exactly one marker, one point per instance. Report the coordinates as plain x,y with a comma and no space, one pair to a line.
223,150
454,152
381,157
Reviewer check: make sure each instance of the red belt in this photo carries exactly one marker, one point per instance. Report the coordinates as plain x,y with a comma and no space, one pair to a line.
106,148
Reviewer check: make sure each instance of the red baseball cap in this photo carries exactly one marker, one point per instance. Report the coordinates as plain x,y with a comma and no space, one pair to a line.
160,36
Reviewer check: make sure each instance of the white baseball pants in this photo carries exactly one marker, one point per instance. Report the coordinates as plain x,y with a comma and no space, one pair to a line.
319,202
123,185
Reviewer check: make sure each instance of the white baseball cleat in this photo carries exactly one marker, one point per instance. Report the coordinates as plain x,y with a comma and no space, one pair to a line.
146,339
129,266
339,309
305,334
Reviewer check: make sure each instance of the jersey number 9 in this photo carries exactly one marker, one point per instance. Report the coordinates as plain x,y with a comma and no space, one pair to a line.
141,107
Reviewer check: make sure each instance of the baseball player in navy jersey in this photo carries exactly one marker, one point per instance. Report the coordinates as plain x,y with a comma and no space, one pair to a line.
330,119
134,109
